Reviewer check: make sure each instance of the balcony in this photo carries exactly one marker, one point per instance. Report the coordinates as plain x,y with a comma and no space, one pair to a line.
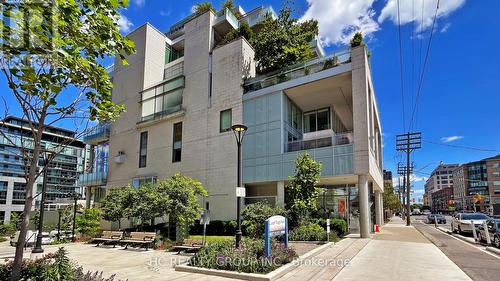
226,21
336,140
257,15
93,179
97,134
296,71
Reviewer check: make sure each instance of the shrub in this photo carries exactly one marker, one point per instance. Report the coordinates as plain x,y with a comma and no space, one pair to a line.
357,40
89,222
216,227
254,216
308,232
7,229
339,226
250,258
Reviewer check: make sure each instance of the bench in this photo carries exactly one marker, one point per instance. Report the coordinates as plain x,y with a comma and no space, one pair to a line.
108,237
140,238
188,244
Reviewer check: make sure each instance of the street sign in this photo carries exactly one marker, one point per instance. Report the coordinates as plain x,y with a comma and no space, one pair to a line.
274,226
240,192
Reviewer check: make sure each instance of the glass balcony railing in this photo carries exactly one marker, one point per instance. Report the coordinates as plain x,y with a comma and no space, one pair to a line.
227,15
296,71
338,139
93,179
97,134
258,15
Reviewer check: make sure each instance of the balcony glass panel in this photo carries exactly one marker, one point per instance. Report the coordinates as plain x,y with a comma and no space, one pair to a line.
92,179
338,139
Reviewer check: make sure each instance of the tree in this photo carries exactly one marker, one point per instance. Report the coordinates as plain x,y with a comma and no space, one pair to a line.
243,30
357,40
112,206
203,7
89,222
51,56
301,194
283,42
391,200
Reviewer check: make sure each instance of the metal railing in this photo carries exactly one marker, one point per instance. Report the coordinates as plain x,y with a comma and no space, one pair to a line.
338,139
173,71
90,179
296,71
100,131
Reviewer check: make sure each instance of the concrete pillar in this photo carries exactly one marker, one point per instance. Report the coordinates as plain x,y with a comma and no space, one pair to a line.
88,196
280,192
8,201
379,216
364,210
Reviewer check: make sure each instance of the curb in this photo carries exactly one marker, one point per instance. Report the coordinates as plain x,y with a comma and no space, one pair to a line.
254,276
493,250
465,239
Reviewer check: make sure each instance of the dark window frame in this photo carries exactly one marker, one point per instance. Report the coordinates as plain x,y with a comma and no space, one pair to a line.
176,152
223,130
143,149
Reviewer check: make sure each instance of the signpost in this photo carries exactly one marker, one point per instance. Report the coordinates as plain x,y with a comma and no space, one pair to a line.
274,226
328,230
205,220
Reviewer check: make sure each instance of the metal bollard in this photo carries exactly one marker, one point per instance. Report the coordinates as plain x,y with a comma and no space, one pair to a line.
487,234
435,222
473,227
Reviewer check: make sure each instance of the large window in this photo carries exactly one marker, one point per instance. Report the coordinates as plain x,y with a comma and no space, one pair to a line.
177,145
143,147
226,120
163,99
317,120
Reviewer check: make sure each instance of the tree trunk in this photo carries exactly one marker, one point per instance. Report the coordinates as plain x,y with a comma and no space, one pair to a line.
18,259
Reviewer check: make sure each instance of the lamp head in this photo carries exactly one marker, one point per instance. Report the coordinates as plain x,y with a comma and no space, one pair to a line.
239,128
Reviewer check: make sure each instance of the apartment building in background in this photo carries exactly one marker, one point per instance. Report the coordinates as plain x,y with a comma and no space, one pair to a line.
440,178
479,177
183,90
459,188
62,172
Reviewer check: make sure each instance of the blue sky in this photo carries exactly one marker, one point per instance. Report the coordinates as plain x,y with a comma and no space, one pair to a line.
459,103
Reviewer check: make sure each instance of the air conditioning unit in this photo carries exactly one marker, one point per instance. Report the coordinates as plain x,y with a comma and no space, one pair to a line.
120,158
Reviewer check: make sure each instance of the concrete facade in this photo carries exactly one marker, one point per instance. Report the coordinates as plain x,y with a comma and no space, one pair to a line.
441,177
215,79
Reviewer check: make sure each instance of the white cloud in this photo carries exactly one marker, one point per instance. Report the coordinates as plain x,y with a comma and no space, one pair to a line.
140,3
193,9
451,138
124,23
445,27
339,19
409,13
413,178
164,13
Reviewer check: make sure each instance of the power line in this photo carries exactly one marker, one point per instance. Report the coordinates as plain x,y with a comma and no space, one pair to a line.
401,66
424,66
463,146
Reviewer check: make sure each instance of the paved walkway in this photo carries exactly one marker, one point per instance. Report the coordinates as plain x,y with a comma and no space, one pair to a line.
399,252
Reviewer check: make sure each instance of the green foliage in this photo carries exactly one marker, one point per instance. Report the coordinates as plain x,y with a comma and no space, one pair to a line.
176,197
243,30
357,40
250,258
7,229
391,200
308,232
254,216
339,226
52,266
88,223
283,42
211,238
301,193
203,7
216,227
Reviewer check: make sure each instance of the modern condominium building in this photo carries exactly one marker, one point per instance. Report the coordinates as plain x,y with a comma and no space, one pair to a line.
479,177
183,90
62,171
440,178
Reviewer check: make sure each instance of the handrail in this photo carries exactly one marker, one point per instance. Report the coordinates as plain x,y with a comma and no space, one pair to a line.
336,140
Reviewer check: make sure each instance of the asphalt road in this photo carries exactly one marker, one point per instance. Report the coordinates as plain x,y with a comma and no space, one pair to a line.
473,260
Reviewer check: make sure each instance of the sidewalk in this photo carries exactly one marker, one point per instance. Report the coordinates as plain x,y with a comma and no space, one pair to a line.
399,252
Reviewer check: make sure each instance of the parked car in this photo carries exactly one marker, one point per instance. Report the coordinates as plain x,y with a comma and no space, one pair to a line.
426,212
461,222
432,218
31,238
493,229
415,212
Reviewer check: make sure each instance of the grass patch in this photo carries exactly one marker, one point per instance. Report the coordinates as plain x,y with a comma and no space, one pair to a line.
212,238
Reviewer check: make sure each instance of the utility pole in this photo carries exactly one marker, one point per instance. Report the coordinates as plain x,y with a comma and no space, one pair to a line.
407,143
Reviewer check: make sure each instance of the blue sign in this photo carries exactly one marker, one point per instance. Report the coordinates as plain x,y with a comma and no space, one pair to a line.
274,226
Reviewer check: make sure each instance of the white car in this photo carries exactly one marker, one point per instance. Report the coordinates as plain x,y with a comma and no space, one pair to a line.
462,222
31,238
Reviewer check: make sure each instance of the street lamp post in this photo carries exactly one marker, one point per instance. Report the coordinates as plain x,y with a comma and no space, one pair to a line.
75,197
239,131
38,246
